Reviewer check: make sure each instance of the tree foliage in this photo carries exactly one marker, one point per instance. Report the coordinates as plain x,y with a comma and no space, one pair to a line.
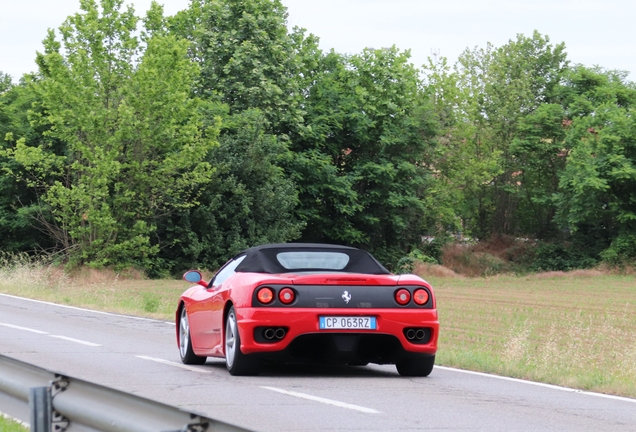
598,183
249,200
364,163
496,105
124,142
249,65
170,142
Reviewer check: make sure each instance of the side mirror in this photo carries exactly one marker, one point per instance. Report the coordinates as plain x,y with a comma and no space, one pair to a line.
194,276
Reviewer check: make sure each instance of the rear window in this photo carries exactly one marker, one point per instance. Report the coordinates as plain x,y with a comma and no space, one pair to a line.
313,260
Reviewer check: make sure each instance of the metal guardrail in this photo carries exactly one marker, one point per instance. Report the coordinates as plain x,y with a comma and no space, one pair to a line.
59,403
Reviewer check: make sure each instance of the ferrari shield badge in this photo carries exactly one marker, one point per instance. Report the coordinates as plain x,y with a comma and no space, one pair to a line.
346,297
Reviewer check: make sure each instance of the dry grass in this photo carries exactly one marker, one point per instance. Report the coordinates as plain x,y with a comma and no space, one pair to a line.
104,290
575,329
434,270
466,261
498,254
582,273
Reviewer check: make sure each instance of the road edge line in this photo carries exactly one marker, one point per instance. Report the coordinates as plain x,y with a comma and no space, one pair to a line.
86,310
538,384
170,363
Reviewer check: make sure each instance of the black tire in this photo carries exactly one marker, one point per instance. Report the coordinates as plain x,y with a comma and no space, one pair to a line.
237,363
185,342
416,367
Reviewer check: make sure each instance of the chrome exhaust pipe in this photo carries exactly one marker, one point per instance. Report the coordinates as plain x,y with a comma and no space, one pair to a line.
269,333
280,333
410,334
419,334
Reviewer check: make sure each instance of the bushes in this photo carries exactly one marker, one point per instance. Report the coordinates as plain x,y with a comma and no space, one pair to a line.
504,254
498,254
467,261
622,251
560,257
407,264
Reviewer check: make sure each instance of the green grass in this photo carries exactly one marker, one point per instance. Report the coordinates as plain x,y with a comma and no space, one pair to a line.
576,330
7,425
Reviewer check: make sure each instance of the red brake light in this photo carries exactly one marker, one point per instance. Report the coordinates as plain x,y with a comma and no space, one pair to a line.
286,296
265,295
420,296
402,296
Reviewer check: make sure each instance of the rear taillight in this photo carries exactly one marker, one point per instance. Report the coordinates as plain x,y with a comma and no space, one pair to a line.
265,295
420,296
286,296
402,296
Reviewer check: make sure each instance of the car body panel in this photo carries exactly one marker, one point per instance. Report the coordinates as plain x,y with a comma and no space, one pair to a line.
207,307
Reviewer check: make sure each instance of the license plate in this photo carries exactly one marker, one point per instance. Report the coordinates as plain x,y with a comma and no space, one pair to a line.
346,322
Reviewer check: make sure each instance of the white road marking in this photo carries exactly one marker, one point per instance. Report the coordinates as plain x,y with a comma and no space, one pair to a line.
534,383
50,335
23,328
86,310
79,341
179,365
323,400
18,421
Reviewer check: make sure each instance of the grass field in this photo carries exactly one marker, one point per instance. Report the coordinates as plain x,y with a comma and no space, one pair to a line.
576,330
7,425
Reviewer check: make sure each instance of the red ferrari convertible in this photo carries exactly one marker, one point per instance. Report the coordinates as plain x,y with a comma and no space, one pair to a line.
308,303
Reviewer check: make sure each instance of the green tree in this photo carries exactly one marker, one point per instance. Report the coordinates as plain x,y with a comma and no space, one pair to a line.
502,140
249,201
363,165
597,189
252,65
5,82
248,58
134,144
18,204
466,157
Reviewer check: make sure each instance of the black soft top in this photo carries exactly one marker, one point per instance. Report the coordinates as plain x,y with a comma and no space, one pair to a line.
263,259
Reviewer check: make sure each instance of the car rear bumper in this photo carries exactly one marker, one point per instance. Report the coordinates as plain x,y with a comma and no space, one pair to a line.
304,340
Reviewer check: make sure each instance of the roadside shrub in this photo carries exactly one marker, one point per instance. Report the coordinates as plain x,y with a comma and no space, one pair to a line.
622,251
466,261
515,251
433,247
425,270
497,254
559,257
407,263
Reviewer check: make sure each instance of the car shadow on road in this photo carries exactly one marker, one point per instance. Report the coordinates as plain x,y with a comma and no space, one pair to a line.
318,370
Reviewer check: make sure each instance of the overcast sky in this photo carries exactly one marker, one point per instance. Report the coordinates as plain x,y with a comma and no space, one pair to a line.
595,32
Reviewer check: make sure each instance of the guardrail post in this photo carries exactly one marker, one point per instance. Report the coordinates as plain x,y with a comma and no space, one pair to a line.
40,408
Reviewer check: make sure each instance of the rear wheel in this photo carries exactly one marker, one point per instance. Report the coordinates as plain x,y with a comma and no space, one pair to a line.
185,342
416,367
236,362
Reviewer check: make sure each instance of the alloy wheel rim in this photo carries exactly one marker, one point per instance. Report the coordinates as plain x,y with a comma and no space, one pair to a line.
184,333
230,340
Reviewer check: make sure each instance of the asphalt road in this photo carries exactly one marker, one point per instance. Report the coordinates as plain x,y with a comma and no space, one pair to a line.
140,356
